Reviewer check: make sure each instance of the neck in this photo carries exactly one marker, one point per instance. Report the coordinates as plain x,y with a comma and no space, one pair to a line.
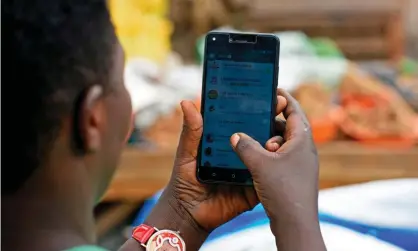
47,215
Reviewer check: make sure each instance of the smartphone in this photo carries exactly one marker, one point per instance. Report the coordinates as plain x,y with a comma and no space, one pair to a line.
238,95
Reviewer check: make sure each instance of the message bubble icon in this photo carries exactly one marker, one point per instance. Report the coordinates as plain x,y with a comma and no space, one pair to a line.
213,94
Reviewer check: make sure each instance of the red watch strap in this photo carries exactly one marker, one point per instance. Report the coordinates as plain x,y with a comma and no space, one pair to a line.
142,233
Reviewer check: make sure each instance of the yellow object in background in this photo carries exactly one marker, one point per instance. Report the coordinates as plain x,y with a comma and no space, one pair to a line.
156,7
142,27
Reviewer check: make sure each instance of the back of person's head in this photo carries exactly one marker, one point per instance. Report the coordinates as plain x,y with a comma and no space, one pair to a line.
54,53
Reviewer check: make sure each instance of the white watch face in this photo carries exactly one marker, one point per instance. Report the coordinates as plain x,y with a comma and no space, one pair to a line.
166,240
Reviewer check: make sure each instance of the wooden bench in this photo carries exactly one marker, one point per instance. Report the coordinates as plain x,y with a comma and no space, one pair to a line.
141,174
362,28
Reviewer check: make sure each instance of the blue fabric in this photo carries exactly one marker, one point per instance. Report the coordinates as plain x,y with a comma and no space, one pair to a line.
403,238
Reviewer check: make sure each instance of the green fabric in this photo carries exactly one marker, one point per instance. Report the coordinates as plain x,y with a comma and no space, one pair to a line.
86,248
409,67
326,47
200,49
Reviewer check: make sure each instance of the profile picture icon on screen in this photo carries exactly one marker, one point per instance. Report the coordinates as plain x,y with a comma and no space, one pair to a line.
208,151
213,94
211,108
209,138
214,65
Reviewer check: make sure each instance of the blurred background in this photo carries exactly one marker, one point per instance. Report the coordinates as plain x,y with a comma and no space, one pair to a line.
353,66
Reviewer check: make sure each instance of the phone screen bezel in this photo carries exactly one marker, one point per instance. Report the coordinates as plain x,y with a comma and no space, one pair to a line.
232,175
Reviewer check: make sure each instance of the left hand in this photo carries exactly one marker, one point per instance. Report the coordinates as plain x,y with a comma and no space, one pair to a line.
209,205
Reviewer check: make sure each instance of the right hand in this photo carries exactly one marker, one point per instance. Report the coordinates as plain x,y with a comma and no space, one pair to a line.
285,172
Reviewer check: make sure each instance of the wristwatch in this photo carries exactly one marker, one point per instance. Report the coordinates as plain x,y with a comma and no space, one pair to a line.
154,239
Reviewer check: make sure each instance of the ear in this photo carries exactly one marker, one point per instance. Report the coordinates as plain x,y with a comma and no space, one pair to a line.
91,119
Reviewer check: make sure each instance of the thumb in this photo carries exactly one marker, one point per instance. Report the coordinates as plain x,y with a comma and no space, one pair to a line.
191,134
248,150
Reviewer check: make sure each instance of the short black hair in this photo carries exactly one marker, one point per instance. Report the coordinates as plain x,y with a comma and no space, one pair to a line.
53,50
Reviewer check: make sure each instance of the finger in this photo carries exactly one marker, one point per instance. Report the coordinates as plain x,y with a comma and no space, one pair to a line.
251,196
191,134
248,150
281,104
274,143
280,125
292,107
296,122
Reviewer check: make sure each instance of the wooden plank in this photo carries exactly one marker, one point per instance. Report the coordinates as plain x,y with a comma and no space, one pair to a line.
307,20
411,17
336,19
269,8
114,216
141,174
373,47
347,163
396,37
366,36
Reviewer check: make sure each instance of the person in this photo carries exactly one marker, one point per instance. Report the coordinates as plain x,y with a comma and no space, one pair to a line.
64,65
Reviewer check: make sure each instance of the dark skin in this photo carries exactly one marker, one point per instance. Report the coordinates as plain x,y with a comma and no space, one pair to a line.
285,183
285,175
55,206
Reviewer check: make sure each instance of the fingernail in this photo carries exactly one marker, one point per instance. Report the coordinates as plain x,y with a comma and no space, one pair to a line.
234,139
182,106
275,146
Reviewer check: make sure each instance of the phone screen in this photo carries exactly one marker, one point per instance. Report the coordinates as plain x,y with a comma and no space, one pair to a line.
239,95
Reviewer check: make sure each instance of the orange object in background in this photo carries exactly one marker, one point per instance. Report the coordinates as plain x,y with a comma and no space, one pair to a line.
370,120
315,100
371,137
375,114
325,129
